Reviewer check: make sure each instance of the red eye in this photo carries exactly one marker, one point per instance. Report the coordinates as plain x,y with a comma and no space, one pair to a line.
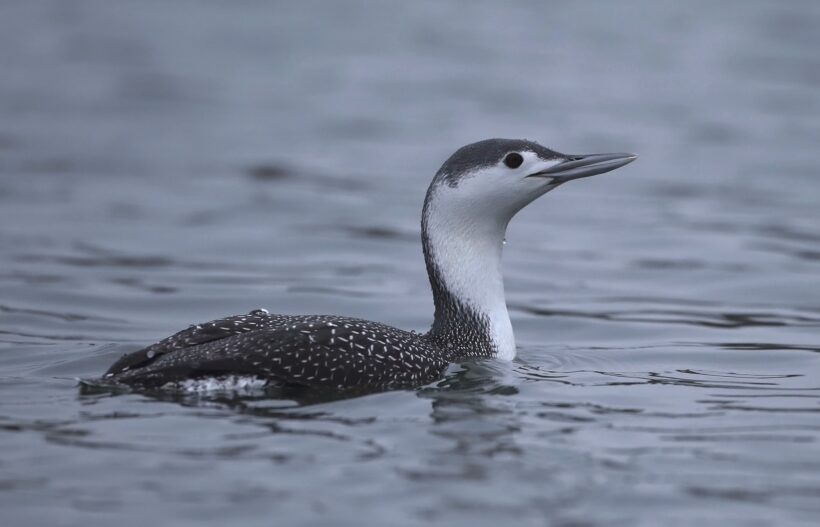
513,160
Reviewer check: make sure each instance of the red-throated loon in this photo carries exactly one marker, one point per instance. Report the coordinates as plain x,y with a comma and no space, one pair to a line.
466,210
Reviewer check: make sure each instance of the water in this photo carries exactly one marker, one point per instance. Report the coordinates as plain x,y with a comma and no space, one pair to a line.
166,163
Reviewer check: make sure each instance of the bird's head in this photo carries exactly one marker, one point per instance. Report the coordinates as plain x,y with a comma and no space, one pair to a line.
499,177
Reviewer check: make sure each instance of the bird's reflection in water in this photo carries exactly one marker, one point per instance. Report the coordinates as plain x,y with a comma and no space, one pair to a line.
470,388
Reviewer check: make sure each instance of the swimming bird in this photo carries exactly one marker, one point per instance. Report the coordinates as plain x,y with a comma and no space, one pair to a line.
468,205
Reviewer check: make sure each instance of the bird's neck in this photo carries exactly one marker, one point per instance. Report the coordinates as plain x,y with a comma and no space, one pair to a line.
463,257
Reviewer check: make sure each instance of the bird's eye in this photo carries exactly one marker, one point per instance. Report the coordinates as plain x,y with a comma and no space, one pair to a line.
513,160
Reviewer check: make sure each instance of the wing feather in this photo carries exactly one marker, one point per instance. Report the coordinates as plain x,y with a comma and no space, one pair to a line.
319,352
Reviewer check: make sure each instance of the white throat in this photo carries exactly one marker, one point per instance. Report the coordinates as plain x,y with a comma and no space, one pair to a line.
465,240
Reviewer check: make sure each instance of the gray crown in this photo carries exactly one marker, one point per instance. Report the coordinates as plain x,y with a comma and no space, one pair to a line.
487,153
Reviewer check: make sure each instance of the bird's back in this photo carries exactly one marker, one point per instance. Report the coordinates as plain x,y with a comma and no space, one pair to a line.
313,350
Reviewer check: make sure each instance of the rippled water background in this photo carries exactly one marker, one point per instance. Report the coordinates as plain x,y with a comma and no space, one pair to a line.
165,163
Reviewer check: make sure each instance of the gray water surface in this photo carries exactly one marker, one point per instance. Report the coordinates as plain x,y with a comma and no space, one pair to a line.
167,163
